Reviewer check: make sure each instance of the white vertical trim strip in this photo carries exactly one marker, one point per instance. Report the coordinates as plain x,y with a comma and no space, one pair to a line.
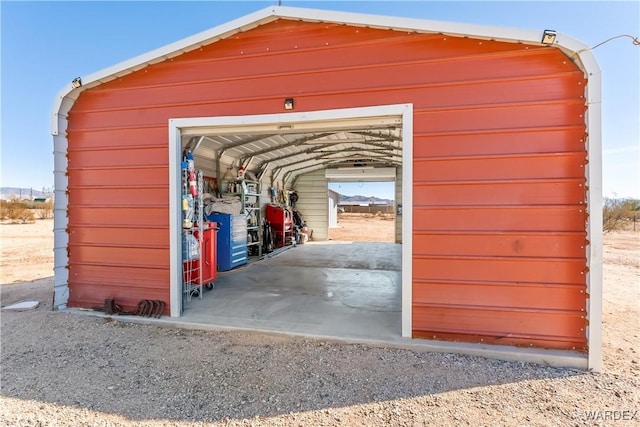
593,173
175,241
407,220
60,218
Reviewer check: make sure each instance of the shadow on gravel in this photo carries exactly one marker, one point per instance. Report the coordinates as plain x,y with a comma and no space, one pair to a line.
147,372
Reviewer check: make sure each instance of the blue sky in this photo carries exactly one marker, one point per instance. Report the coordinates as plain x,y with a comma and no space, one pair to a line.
44,45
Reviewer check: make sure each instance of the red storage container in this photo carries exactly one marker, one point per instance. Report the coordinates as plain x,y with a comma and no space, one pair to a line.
207,260
281,224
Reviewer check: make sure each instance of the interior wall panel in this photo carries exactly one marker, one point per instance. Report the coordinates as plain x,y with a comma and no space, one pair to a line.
313,203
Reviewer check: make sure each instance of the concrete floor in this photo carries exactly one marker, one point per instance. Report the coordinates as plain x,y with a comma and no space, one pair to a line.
343,290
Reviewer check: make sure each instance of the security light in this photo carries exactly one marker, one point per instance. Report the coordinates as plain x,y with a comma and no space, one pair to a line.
548,37
288,104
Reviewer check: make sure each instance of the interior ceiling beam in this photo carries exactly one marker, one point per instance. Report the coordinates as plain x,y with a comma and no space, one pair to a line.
327,154
322,149
287,145
309,168
237,144
337,161
366,160
344,140
308,159
192,143
247,163
360,158
286,156
355,150
366,156
378,135
380,144
262,172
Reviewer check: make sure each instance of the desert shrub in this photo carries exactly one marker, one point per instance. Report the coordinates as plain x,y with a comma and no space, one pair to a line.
44,209
4,210
617,213
9,208
16,211
25,215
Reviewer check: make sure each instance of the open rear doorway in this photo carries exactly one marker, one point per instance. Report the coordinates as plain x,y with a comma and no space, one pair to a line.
364,211
313,289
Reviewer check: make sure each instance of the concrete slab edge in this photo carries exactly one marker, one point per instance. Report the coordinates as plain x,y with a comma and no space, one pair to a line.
553,358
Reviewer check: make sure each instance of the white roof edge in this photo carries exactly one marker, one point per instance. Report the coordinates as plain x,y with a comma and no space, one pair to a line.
271,13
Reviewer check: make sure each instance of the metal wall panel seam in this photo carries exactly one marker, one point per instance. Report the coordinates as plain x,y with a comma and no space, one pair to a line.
208,100
292,52
536,129
442,84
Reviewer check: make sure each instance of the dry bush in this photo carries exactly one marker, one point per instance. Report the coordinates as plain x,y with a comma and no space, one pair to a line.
44,209
618,213
26,215
16,211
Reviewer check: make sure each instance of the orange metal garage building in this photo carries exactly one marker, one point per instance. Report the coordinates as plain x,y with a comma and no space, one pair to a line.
501,192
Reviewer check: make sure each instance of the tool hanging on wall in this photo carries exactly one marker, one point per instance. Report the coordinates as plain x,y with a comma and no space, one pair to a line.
187,198
193,188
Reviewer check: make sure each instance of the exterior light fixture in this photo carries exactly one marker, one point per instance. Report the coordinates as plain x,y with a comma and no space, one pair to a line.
288,104
76,83
548,37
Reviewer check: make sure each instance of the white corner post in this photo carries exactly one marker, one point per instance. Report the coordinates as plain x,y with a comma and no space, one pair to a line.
60,218
175,241
407,220
594,208
59,122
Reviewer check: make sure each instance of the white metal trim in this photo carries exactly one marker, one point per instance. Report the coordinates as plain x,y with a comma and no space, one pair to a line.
412,24
407,220
60,221
175,240
593,173
244,124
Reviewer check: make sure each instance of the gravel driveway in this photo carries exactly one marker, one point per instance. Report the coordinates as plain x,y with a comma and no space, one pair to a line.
72,370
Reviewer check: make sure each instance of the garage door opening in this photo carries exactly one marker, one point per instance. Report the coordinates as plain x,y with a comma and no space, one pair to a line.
362,211
281,163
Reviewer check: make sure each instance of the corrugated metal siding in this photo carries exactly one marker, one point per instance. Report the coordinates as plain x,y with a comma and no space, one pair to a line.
118,217
312,203
499,215
499,166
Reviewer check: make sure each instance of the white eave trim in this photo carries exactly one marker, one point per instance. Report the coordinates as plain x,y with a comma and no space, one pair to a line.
515,35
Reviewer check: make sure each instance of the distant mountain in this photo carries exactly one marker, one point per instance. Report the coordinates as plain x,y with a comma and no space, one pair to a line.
25,193
364,199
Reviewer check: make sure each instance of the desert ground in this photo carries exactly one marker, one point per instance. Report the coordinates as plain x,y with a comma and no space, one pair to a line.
70,369
364,227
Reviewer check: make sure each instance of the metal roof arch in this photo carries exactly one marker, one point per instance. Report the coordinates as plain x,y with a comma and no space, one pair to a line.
67,96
